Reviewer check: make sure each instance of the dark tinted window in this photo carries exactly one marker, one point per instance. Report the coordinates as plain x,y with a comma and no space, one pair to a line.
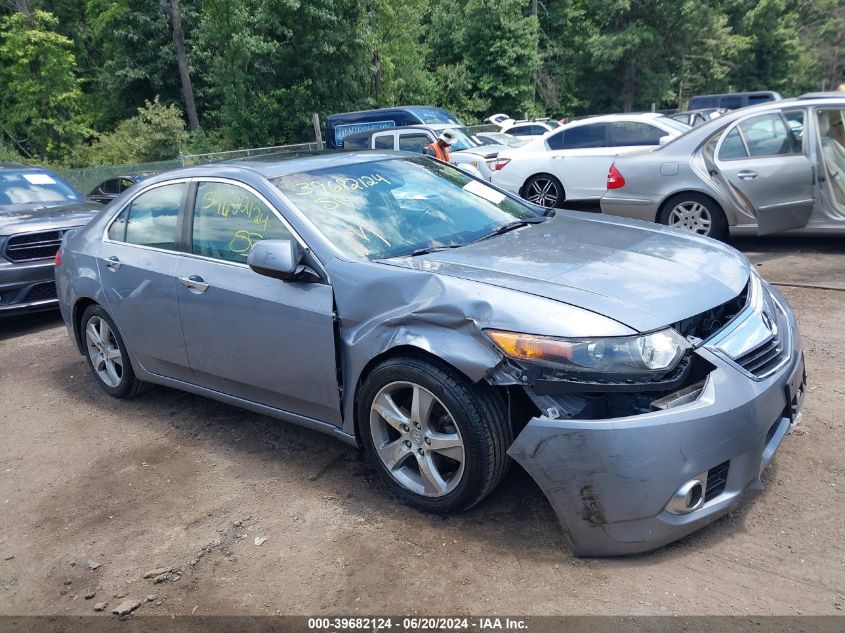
153,215
383,142
356,142
111,186
704,102
627,133
527,130
731,102
413,142
228,220
752,99
585,136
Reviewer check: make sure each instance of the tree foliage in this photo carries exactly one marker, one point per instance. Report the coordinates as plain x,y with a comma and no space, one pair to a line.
40,101
259,69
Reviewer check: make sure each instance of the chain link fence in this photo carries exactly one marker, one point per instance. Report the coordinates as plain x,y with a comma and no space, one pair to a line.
85,179
213,157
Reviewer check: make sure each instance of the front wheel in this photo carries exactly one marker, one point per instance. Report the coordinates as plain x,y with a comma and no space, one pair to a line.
695,213
545,191
438,440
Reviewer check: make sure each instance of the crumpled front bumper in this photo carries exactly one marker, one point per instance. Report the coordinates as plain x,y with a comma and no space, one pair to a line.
610,480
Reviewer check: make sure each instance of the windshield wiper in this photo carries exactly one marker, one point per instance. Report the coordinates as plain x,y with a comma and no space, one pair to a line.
431,249
510,226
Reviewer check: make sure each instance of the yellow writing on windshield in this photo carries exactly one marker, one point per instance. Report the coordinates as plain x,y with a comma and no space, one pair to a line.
338,185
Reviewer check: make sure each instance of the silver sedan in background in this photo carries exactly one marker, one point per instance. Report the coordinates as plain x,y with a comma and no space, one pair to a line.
643,377
758,170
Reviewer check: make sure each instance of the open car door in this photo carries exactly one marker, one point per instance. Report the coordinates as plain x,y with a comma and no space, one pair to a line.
763,159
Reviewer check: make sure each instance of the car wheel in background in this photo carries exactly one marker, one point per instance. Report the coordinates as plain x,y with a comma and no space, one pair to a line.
544,190
696,213
106,354
438,440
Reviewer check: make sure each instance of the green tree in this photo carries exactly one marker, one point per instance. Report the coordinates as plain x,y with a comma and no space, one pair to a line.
41,96
157,132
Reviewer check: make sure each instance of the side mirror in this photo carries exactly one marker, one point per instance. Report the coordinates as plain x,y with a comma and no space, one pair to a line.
280,259
664,139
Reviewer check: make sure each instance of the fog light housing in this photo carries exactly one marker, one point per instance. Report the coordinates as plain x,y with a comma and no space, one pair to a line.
689,497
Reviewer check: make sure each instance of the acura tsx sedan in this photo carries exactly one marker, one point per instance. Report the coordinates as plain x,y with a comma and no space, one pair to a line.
642,376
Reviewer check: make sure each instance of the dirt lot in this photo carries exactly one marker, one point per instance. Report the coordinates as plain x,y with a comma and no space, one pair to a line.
176,481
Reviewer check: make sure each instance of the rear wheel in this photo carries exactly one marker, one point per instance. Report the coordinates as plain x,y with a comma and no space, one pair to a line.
544,190
107,356
438,440
696,213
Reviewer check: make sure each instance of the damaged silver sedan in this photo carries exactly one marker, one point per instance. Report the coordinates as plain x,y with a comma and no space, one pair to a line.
642,376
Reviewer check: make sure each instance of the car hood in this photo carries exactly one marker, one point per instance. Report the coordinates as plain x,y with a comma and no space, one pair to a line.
36,216
641,275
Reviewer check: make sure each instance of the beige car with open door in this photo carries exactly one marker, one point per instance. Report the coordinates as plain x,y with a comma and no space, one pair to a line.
760,170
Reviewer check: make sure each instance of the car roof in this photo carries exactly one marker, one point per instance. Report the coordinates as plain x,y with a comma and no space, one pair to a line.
275,165
22,167
698,134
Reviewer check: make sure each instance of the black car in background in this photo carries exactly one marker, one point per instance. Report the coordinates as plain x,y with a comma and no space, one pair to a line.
110,189
37,208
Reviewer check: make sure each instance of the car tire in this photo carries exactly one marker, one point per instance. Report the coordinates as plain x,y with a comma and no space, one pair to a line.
696,213
107,356
452,451
544,190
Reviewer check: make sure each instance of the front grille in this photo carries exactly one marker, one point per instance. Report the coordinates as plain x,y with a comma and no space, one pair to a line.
30,246
706,324
764,358
42,292
717,479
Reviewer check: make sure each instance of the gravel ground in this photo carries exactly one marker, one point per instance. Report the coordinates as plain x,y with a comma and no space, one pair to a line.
190,487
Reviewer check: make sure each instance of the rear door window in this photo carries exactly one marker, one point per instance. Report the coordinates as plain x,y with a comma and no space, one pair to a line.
151,218
768,135
586,136
635,133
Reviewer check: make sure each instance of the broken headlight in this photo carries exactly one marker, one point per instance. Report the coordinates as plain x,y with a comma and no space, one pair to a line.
646,354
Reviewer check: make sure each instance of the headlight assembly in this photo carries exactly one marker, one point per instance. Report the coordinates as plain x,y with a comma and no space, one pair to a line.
644,355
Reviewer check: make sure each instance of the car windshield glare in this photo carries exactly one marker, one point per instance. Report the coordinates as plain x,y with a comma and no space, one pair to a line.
26,187
462,140
394,207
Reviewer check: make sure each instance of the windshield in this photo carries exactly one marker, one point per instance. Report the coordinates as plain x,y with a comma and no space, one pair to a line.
463,139
395,207
435,115
675,125
24,187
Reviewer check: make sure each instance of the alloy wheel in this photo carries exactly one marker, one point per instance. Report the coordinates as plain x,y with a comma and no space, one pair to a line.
692,216
104,351
543,192
417,440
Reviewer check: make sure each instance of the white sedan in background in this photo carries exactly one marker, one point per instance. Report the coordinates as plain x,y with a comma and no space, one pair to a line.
571,162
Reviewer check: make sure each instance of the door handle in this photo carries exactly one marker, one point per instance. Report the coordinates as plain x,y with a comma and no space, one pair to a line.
558,157
113,263
746,174
194,283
